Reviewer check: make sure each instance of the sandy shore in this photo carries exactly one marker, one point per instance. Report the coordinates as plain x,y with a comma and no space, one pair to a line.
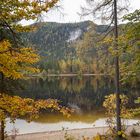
77,133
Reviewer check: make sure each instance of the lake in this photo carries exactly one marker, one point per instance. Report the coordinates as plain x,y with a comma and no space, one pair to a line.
84,94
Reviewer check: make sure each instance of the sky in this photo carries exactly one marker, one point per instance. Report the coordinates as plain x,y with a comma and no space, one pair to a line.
69,12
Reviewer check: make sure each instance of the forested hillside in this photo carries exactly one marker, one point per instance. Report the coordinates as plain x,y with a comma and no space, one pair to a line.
53,39
56,41
84,47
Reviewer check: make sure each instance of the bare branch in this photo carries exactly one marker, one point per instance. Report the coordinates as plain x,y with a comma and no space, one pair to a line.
5,24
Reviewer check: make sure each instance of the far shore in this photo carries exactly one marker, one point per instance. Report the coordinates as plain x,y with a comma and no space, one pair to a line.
78,134
69,75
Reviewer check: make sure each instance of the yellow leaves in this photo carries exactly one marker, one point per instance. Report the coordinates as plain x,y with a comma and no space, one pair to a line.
97,137
2,115
20,28
121,133
14,62
27,55
110,102
53,104
14,11
110,106
108,40
34,4
15,106
4,45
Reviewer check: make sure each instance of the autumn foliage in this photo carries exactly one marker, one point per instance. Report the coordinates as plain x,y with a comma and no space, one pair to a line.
16,59
14,62
15,106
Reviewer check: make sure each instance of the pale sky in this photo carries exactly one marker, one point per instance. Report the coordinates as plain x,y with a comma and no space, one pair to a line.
70,8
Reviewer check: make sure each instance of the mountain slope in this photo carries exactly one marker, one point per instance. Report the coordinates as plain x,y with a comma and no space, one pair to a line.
54,41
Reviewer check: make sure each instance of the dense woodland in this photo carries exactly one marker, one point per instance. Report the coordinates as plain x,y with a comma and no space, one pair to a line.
57,44
81,48
48,48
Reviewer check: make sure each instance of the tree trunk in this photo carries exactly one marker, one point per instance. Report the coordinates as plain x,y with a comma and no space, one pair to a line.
2,90
2,130
117,84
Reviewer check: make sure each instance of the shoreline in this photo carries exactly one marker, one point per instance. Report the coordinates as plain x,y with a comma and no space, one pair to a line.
76,133
70,75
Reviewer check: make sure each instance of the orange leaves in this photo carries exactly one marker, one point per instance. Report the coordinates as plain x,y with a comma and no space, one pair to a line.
15,106
4,45
53,104
50,103
15,62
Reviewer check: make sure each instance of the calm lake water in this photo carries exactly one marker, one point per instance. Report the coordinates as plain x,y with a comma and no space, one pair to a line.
84,94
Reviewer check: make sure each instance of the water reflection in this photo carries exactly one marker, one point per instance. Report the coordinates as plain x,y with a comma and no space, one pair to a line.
84,94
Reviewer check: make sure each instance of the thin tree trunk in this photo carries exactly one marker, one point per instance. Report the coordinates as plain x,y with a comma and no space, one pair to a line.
117,84
2,130
2,122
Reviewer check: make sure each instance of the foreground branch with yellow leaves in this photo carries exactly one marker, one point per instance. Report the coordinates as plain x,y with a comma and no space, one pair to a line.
16,59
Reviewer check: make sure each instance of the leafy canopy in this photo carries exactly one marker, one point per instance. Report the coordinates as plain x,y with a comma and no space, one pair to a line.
16,106
13,63
16,59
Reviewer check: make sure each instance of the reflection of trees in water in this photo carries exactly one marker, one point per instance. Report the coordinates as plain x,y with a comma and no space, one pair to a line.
86,93
95,82
72,84
83,103
132,94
